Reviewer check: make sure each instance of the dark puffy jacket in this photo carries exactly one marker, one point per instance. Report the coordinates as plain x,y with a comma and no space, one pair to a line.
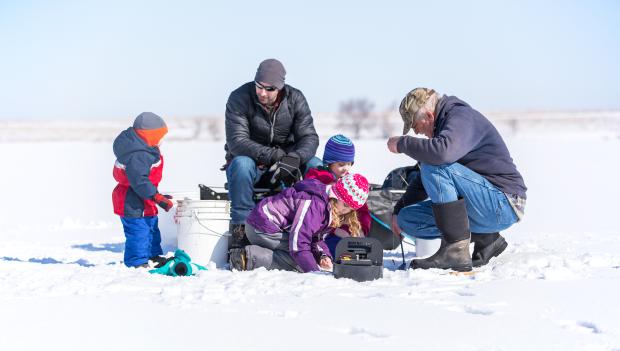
138,171
250,131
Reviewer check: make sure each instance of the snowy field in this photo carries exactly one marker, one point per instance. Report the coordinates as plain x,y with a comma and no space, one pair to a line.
63,286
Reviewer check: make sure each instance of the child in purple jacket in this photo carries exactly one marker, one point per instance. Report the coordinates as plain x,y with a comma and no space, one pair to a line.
285,229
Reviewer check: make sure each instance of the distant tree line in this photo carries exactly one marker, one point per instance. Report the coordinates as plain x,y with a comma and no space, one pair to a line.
357,115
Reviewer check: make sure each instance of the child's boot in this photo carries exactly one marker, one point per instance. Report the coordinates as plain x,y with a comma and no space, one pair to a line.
237,259
238,238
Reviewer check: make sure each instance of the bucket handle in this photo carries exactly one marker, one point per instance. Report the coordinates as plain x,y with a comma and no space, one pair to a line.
214,233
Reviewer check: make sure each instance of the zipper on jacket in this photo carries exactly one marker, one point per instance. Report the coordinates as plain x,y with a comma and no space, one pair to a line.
272,120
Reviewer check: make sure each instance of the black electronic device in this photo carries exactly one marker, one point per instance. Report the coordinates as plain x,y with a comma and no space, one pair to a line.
360,259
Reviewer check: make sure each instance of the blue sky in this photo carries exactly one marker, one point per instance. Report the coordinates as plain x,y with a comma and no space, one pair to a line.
100,59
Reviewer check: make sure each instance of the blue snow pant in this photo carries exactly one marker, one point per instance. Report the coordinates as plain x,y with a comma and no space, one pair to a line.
142,240
242,173
488,208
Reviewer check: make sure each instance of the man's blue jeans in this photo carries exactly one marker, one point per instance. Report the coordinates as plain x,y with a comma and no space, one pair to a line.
242,173
488,208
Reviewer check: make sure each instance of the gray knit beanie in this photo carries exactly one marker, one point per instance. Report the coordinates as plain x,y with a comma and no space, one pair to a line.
148,120
271,72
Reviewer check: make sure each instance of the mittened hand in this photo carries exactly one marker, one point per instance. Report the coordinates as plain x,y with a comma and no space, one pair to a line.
163,201
288,169
276,156
291,160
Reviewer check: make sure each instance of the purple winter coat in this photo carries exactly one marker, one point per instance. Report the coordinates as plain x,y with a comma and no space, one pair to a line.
303,211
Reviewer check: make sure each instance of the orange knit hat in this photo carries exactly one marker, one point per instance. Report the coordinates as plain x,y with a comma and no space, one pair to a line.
150,127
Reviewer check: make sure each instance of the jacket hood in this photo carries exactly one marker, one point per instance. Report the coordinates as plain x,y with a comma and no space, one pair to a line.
128,142
312,187
444,106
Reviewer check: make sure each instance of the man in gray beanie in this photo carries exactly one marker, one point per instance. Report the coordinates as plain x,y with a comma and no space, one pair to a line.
270,137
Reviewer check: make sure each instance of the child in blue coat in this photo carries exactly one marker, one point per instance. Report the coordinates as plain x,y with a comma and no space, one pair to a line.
138,171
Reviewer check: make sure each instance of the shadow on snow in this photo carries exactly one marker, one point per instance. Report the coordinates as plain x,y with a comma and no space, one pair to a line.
49,260
113,247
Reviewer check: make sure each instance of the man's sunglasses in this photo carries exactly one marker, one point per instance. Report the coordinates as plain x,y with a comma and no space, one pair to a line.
268,88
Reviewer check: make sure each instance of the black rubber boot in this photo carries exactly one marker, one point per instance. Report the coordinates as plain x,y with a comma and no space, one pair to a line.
486,246
238,238
452,222
237,259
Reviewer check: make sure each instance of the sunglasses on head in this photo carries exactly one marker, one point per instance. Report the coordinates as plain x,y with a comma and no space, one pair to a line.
268,88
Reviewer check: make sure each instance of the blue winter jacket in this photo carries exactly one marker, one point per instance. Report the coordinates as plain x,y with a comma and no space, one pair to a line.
138,170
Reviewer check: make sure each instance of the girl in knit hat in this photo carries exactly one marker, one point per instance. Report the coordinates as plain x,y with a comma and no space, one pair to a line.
338,158
286,230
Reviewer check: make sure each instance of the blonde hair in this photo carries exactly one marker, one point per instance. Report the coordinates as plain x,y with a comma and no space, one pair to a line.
350,219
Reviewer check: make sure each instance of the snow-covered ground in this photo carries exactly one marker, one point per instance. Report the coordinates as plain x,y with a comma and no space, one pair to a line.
62,286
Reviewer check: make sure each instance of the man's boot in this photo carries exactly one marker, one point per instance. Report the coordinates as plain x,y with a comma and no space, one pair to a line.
237,236
452,222
486,246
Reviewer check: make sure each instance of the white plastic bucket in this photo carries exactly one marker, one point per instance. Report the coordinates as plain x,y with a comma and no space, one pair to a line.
167,220
426,247
202,230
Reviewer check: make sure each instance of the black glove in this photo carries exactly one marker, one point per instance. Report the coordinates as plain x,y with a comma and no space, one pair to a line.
287,170
276,156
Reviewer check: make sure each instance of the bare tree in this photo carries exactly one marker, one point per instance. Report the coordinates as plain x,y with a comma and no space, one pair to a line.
215,126
354,115
198,122
388,121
